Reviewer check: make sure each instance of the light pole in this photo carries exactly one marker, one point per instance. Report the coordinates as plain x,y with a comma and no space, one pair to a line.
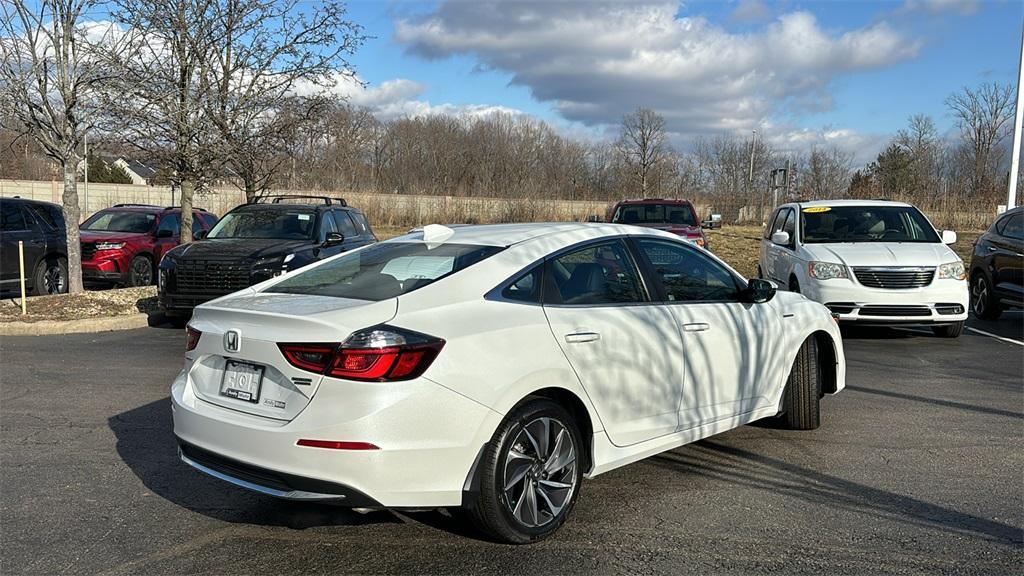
1011,196
750,175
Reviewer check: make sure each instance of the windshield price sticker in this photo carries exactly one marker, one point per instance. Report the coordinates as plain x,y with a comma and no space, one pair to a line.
816,209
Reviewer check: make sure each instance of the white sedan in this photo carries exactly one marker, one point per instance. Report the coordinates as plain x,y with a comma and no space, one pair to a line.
491,368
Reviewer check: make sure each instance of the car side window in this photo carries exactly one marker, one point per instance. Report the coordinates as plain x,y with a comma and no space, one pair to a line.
44,215
11,217
345,225
789,226
362,226
526,288
327,224
772,226
1014,227
687,275
170,222
597,274
197,225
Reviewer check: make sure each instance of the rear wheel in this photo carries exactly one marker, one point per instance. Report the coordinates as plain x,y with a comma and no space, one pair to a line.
983,300
949,330
51,277
140,271
530,474
801,401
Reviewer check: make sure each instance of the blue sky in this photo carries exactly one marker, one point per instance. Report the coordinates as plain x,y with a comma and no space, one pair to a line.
848,72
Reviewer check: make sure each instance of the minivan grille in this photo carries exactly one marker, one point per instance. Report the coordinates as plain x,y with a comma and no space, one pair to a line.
210,276
894,278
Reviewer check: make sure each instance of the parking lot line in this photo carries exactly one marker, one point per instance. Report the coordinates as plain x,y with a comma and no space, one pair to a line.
997,337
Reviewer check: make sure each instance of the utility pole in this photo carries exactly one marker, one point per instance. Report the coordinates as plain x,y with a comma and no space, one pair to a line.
1011,196
85,138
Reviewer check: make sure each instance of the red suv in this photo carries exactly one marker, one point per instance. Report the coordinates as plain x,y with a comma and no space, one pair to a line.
124,244
675,216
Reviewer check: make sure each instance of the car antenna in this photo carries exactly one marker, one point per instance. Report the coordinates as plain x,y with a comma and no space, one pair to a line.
436,233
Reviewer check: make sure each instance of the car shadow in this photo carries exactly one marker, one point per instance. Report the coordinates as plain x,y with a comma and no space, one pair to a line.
721,462
145,442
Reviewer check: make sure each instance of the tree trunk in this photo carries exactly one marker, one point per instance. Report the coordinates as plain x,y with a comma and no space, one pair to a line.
72,216
187,190
250,191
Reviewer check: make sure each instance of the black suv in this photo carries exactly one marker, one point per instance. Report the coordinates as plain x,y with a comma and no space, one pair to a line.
997,266
40,227
256,242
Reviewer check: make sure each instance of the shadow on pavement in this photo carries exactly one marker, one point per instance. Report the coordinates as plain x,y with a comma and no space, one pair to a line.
937,402
744,468
145,442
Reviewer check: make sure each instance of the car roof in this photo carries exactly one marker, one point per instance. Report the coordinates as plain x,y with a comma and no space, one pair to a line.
833,203
678,201
29,201
292,206
511,234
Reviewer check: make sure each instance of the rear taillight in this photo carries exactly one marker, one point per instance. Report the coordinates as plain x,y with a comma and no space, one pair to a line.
379,354
191,338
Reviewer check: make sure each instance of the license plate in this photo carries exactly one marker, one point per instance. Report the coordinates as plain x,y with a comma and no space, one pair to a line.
242,381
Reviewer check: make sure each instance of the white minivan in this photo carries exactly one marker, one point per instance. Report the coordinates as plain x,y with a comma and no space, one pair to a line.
869,262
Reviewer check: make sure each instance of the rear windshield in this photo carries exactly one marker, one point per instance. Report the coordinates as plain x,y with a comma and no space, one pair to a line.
826,224
384,270
680,214
281,224
115,221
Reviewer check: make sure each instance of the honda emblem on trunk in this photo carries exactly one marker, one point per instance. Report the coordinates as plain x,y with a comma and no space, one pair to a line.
232,341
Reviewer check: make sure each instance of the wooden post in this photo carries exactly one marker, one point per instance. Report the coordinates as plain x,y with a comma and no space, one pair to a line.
21,270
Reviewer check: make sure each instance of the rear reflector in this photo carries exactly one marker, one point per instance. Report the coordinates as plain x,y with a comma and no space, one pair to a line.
337,445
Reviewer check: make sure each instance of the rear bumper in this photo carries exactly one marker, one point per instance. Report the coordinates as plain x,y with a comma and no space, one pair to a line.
942,302
428,439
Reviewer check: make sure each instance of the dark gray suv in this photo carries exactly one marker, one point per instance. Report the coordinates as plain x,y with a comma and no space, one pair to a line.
40,228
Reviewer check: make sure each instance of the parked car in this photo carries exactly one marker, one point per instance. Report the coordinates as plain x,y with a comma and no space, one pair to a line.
491,368
674,216
997,266
40,228
123,244
255,242
869,261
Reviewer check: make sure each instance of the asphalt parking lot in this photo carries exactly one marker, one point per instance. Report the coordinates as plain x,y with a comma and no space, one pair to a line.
918,468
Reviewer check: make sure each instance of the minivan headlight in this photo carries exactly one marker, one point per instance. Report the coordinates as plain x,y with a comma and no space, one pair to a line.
952,271
826,270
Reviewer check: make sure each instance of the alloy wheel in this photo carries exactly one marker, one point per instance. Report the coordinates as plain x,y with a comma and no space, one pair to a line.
540,472
142,272
54,281
979,295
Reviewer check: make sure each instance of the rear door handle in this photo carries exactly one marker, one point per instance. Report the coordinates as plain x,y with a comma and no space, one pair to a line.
696,327
578,337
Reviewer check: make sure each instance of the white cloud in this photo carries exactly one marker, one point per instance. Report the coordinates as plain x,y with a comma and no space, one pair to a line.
864,147
595,62
750,11
400,98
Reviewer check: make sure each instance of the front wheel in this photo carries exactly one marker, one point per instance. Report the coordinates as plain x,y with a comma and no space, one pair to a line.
140,271
949,330
983,301
801,400
530,474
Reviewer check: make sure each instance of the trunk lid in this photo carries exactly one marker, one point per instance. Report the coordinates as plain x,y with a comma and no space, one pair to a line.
227,368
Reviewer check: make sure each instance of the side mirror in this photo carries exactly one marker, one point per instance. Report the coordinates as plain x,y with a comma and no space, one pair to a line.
334,238
780,238
593,218
203,234
165,233
759,291
948,237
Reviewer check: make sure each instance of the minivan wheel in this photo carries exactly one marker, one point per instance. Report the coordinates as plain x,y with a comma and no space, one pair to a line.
949,330
801,400
531,473
794,285
140,271
51,277
983,301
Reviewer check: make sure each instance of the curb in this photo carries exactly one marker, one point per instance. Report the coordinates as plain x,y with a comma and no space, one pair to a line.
83,326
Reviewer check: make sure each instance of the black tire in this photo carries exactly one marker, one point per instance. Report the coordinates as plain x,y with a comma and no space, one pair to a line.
51,277
794,285
140,271
983,299
178,320
801,401
949,330
492,511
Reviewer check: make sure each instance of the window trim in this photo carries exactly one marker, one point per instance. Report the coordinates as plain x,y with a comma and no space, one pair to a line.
741,283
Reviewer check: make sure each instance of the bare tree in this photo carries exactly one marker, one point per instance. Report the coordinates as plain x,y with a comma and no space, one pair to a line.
984,117
825,172
48,82
644,145
158,102
269,67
